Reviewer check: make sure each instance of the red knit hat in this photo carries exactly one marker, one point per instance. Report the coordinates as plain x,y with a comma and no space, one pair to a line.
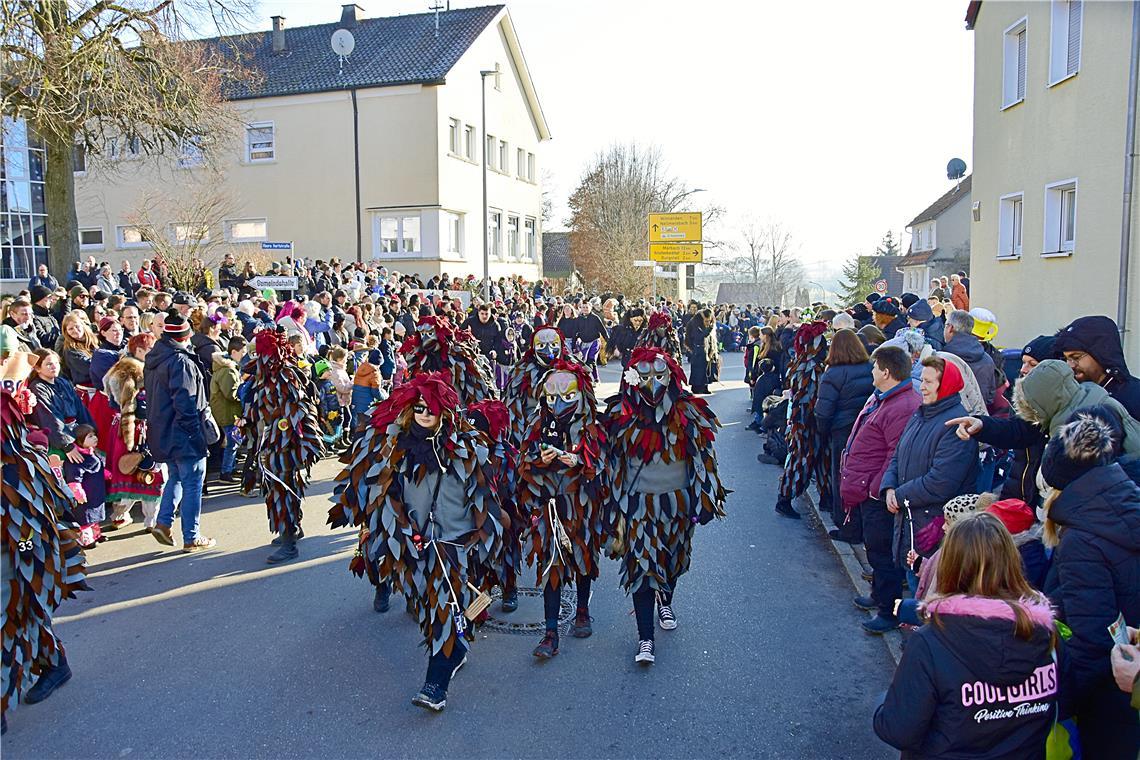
1015,515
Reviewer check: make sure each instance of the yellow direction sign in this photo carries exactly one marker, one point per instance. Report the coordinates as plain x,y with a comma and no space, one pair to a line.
675,228
677,253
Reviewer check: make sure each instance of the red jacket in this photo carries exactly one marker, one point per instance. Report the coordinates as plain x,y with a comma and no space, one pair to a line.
149,279
872,443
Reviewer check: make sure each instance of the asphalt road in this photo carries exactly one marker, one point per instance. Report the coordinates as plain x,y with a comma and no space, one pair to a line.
219,655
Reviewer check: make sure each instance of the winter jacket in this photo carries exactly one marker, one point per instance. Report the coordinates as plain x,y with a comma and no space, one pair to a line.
340,380
177,403
934,330
488,334
224,381
843,392
872,442
968,687
970,349
102,360
56,404
1095,577
128,282
204,348
892,327
76,366
971,393
365,391
960,297
1100,338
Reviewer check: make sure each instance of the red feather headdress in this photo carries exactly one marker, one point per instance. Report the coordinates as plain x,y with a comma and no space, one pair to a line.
659,319
497,416
271,347
434,388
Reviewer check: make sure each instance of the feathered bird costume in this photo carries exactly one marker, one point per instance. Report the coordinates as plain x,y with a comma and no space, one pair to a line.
43,563
493,420
425,503
436,346
547,345
662,470
661,334
808,452
286,434
564,503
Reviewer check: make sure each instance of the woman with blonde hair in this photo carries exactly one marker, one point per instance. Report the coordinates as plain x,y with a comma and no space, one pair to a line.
78,346
979,679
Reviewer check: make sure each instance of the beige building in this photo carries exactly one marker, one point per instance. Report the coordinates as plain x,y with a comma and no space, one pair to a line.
939,240
405,104
1051,86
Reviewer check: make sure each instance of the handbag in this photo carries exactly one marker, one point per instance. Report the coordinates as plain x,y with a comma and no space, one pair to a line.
212,432
129,462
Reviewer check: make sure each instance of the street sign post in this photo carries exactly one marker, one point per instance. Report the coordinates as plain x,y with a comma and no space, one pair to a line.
274,283
286,245
675,228
677,253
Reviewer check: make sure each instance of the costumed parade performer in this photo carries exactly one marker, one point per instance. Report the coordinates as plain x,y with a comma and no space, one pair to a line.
663,482
493,419
415,483
628,333
561,488
661,334
43,563
286,438
808,452
524,386
437,347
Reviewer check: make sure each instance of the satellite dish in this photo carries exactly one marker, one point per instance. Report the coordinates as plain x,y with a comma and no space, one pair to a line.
956,169
343,43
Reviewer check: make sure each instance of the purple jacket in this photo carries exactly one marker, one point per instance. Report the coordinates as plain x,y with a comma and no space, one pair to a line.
872,442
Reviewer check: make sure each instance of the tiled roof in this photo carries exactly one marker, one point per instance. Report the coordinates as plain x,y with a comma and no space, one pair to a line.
556,261
389,51
972,13
914,259
935,210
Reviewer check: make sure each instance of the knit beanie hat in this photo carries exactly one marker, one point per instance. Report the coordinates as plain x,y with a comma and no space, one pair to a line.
1090,439
908,300
176,327
1015,515
886,306
1041,348
959,507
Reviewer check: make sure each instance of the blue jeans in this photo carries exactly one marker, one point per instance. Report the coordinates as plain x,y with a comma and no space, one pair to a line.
185,478
229,454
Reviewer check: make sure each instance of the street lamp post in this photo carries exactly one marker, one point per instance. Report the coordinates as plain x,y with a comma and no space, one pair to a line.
486,241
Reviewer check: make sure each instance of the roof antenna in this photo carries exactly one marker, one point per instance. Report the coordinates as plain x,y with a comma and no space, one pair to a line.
437,8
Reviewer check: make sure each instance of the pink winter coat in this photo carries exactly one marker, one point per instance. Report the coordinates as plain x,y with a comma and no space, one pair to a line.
872,442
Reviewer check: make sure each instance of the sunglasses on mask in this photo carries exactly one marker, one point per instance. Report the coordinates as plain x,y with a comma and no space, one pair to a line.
420,409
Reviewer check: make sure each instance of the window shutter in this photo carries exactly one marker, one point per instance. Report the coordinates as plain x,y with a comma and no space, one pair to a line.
1074,51
1021,65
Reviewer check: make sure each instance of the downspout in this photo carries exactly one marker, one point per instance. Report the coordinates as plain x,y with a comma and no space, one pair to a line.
356,160
1129,164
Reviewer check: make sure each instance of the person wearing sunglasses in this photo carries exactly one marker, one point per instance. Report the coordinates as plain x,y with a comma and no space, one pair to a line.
417,486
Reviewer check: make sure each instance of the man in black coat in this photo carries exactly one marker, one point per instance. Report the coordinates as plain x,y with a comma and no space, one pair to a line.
1091,346
486,330
126,280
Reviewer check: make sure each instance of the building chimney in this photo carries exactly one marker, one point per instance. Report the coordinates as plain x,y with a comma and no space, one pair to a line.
278,34
348,17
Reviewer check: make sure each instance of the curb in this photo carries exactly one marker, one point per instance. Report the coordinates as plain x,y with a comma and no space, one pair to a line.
853,565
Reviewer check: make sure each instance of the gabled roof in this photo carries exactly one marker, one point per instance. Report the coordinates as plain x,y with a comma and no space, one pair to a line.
389,51
915,259
936,209
972,13
556,261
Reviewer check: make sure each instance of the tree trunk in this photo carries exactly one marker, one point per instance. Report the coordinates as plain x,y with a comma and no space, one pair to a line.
62,222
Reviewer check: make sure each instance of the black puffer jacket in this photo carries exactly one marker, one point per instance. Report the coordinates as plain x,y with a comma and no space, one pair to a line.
970,350
968,687
1099,337
843,391
177,403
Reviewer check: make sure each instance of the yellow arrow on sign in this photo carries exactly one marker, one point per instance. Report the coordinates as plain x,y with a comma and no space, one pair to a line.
677,253
675,228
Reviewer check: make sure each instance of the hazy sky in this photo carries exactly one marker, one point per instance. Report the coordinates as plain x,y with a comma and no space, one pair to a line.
835,118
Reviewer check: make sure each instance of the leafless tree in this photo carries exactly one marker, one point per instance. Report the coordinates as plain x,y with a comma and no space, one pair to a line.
765,258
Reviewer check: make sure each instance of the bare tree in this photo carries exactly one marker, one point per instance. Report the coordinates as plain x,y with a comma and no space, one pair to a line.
765,258
609,212
103,72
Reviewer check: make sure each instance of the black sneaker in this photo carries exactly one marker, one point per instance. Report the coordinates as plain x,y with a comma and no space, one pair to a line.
380,602
879,625
581,628
277,540
548,647
644,654
666,617
431,697
228,477
48,682
510,601
784,509
865,603
286,551
766,459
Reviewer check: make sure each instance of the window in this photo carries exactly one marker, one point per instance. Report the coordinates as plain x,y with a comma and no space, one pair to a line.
531,239
513,236
246,230
130,236
470,142
111,149
530,166
79,158
495,232
23,211
1064,40
190,153
1011,217
1060,218
504,157
923,237
260,142
134,147
1013,64
396,234
189,232
453,137
520,163
489,151
453,232
90,238
498,77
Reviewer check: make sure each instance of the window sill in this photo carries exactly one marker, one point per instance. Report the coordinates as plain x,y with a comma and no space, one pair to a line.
1065,78
79,175
1010,257
259,162
1056,254
92,248
1017,102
